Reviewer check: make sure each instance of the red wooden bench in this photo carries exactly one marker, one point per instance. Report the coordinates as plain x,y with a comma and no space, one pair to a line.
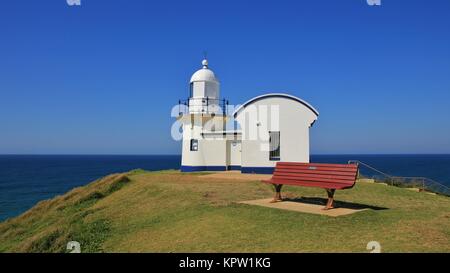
330,177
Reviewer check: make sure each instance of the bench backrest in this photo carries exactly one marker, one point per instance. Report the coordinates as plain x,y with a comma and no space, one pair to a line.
328,176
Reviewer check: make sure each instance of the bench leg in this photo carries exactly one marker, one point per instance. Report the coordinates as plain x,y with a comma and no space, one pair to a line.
277,197
330,193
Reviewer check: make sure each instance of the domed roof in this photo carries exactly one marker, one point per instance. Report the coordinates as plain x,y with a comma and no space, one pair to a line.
204,74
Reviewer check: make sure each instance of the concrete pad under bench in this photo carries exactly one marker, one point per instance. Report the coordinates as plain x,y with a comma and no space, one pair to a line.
302,207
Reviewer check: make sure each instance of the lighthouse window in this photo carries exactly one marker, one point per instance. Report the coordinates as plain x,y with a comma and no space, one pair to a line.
194,145
274,145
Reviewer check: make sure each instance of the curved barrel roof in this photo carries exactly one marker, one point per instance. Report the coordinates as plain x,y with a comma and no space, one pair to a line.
276,95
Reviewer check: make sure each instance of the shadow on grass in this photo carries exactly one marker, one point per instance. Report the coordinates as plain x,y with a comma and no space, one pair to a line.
337,204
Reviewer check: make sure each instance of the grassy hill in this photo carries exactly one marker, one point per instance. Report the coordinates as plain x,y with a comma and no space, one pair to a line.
173,212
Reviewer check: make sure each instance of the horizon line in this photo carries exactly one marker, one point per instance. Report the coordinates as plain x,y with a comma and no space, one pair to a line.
94,154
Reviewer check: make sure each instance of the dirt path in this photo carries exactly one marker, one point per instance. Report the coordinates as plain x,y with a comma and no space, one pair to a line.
236,175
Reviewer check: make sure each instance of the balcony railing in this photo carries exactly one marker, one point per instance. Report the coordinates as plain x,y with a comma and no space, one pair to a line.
202,106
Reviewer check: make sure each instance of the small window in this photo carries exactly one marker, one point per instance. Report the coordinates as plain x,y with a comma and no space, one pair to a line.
194,145
191,90
274,145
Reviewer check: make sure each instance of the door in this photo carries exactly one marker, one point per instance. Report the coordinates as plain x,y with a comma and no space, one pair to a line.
234,154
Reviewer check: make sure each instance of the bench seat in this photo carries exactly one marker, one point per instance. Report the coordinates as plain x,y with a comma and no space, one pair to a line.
330,177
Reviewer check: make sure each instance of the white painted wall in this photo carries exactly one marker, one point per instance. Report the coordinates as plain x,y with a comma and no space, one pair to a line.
214,152
192,129
211,149
293,122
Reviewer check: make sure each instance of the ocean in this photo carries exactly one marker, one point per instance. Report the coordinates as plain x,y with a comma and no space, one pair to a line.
28,179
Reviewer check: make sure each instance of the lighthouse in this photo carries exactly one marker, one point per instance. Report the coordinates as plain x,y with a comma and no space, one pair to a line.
203,118
268,128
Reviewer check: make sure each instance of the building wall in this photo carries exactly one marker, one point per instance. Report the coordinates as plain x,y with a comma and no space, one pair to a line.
258,118
211,153
191,130
214,152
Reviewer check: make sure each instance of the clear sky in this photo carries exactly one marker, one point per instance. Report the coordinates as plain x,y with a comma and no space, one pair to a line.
101,78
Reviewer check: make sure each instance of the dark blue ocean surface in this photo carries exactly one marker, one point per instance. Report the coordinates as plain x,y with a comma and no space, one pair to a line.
27,179
436,167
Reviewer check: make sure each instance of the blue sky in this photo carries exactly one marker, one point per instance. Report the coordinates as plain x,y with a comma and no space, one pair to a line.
101,78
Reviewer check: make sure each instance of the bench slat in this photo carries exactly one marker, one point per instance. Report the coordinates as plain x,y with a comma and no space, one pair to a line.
309,178
319,176
317,168
343,166
312,184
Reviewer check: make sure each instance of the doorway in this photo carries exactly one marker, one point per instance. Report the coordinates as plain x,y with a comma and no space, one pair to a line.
234,150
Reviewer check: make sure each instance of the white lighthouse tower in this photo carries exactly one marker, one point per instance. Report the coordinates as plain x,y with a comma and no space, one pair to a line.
203,116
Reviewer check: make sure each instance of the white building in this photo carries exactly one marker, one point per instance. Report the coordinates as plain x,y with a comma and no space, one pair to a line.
273,127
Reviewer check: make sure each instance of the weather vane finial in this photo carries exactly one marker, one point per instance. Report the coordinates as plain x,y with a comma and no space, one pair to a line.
205,59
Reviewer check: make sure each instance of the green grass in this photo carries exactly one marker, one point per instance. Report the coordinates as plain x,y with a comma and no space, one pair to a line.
169,211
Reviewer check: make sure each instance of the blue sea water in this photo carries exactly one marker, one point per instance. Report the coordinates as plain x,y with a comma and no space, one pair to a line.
28,179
